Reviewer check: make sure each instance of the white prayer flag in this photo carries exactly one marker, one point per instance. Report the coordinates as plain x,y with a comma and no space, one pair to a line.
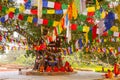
116,34
6,17
51,4
40,21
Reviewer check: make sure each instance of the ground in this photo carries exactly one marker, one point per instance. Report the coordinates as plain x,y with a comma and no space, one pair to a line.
10,72
80,75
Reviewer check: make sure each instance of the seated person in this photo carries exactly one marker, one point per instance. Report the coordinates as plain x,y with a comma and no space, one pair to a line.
62,69
55,69
109,74
41,68
48,69
67,63
70,69
66,68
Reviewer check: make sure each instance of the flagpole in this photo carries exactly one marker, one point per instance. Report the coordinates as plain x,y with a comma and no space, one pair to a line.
39,9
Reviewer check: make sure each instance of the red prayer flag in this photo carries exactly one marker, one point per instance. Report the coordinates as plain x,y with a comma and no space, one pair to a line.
20,17
25,1
57,6
90,14
90,20
34,11
74,27
94,32
105,34
0,38
45,22
0,8
11,15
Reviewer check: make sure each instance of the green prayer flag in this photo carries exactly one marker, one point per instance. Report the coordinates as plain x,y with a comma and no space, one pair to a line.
64,6
25,17
80,28
104,6
110,32
44,11
90,35
82,17
4,8
16,11
97,14
50,23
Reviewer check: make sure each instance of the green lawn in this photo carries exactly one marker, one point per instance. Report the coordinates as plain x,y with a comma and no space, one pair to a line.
97,68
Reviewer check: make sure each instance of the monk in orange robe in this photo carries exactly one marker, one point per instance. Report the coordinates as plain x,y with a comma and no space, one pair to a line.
109,74
48,69
70,69
41,68
55,69
62,69
116,69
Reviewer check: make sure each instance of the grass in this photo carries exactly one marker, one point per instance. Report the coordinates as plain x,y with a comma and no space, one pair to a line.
94,67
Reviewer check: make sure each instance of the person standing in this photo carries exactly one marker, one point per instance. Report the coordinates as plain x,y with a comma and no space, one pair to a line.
116,69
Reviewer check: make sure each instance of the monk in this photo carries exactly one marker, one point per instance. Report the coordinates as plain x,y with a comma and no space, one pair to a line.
55,69
62,69
116,69
67,63
41,68
48,69
70,69
109,74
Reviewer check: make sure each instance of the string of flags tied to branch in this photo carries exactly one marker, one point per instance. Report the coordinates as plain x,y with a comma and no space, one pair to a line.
45,3
6,10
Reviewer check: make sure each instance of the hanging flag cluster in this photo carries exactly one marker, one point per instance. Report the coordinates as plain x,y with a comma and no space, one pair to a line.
22,9
29,19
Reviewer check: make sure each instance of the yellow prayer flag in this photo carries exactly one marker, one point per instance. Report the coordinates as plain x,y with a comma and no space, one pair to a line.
74,11
60,27
22,8
105,40
107,51
97,5
91,9
7,11
11,9
56,23
30,19
26,47
103,14
50,11
114,28
86,37
86,29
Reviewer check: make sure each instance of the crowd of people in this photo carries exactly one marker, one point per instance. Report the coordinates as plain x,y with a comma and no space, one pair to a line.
66,68
49,62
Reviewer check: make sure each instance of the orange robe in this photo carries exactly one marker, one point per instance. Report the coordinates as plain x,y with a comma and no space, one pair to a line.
55,69
109,75
116,69
41,68
48,69
62,69
70,69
